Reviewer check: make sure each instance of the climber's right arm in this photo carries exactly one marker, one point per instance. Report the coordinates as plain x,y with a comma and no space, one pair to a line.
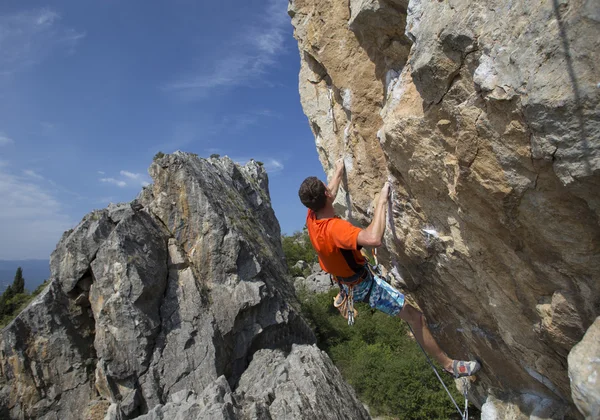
372,235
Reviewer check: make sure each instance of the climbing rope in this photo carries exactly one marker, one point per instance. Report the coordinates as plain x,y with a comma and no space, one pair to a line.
377,271
465,382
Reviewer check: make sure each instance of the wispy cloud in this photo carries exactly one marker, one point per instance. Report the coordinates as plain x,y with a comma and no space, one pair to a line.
113,181
32,219
211,127
272,165
32,174
5,140
127,178
28,37
136,178
252,51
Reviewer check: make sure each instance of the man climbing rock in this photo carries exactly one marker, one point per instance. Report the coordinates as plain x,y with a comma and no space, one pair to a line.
338,243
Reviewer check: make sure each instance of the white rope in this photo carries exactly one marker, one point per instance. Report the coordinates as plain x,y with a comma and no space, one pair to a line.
464,414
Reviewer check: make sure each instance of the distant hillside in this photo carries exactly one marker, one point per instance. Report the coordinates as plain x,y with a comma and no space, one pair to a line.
34,272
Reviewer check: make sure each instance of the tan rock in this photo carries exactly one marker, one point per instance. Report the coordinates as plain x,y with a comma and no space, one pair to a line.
488,128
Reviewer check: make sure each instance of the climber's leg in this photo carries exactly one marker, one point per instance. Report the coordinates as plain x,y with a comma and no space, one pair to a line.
416,320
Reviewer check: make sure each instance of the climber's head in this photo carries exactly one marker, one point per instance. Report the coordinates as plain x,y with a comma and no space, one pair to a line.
314,194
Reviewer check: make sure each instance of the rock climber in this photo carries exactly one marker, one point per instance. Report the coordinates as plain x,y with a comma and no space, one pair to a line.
338,244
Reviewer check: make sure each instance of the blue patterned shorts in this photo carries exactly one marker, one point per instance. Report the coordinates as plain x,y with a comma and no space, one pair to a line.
383,296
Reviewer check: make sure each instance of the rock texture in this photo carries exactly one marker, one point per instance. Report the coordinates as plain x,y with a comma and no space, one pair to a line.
485,116
317,282
173,306
584,372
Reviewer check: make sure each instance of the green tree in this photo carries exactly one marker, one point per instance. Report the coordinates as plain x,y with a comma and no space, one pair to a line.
18,285
380,360
297,247
5,301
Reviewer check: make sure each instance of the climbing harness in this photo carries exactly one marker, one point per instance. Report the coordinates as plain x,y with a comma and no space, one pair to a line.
351,305
344,301
376,270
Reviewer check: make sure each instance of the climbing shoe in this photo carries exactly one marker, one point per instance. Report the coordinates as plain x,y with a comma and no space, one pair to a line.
461,368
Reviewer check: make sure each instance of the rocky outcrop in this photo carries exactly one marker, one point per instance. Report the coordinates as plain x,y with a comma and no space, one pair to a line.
303,385
173,306
584,372
485,117
318,281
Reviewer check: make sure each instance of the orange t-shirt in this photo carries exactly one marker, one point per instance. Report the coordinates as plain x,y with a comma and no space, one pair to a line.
335,241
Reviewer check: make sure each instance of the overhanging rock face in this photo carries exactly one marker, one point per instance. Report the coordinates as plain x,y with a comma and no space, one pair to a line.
176,304
486,118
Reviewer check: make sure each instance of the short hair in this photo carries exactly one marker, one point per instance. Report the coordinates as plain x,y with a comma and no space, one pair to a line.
312,193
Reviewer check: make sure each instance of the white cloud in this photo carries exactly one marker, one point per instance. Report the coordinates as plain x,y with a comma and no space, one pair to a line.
131,175
5,140
140,179
271,165
32,174
252,51
128,178
102,172
114,182
31,219
106,200
28,37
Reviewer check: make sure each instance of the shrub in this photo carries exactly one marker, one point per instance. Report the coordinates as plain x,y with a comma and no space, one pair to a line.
298,247
380,360
15,298
158,155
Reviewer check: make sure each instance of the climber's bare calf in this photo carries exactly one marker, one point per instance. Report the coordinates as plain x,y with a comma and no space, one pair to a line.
416,320
338,243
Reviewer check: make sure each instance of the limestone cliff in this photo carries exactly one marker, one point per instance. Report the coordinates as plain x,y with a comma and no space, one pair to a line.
173,306
485,115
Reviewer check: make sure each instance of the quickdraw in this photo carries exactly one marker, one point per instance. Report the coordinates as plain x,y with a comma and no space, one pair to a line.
331,104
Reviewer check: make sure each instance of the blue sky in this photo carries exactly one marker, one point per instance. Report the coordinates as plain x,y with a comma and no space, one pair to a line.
91,90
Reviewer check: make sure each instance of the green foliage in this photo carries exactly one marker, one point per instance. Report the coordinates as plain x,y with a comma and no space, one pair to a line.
297,247
380,360
158,155
39,289
215,156
19,282
15,298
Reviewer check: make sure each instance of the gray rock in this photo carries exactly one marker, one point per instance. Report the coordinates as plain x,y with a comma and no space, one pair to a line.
584,372
485,117
302,384
157,308
301,265
215,402
47,358
319,282
71,259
